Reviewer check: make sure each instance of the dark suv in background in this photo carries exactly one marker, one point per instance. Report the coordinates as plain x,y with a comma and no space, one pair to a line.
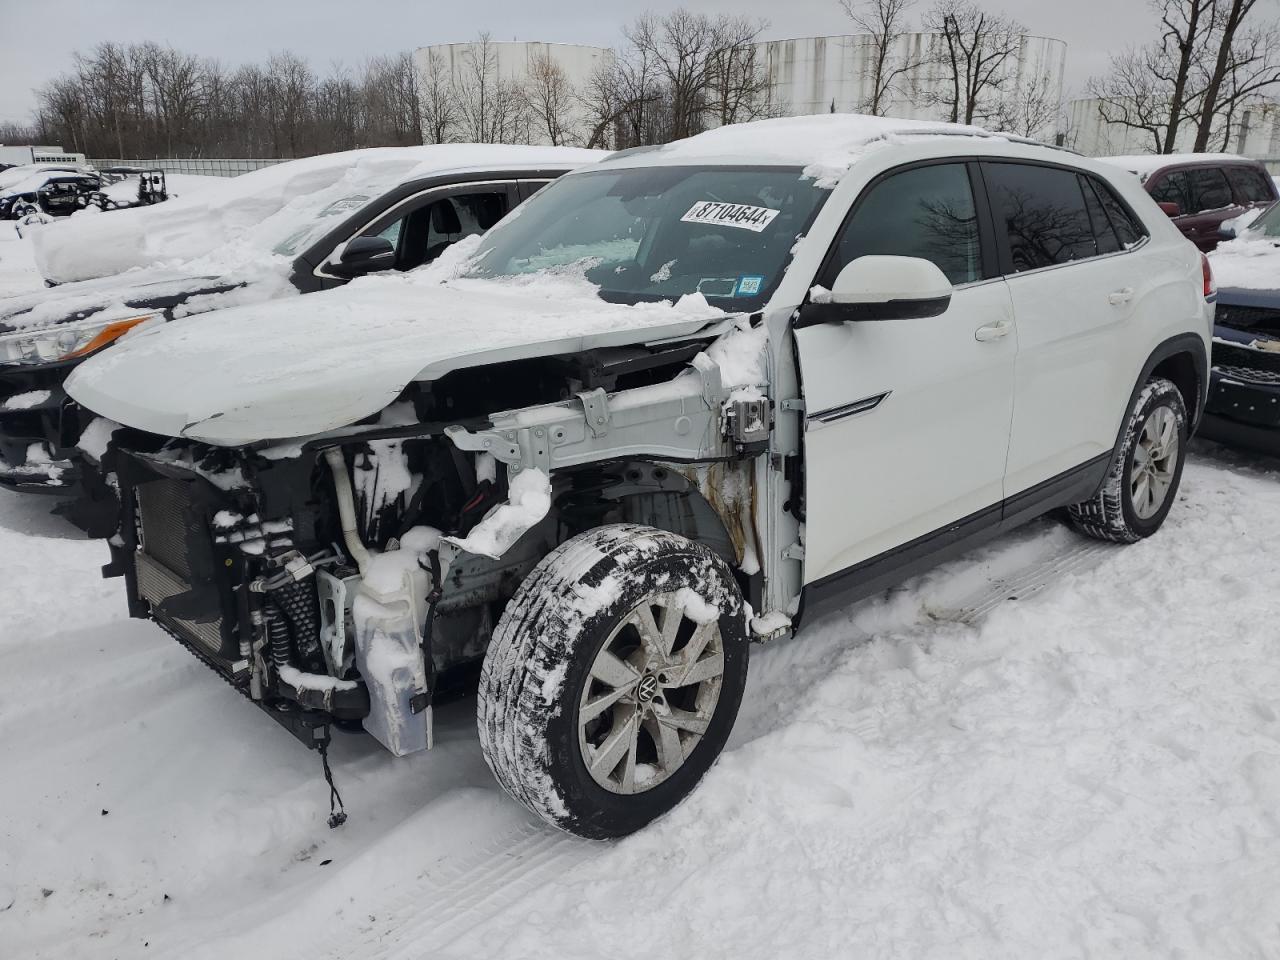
1199,191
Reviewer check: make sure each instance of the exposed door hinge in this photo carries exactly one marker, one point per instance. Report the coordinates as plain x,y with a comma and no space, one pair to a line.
793,552
795,403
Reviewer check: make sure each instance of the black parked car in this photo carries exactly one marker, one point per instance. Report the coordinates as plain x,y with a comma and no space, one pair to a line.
55,194
1243,408
44,335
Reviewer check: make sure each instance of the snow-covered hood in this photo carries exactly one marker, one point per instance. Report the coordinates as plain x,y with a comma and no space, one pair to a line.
300,367
1247,263
108,298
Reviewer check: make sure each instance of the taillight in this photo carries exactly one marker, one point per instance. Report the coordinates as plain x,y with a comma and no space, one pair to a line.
1210,287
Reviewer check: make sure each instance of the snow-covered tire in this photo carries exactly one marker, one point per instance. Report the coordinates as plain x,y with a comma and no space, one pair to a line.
539,667
1112,514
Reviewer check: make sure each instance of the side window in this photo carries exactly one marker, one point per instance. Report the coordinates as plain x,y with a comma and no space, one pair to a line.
1209,189
1173,188
1103,233
424,233
925,212
1250,185
1042,210
1128,228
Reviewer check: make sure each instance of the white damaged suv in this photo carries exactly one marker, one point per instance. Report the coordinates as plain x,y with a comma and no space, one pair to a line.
676,402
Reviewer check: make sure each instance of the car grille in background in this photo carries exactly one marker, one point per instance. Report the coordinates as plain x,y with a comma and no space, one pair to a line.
1245,358
163,564
1249,374
1247,317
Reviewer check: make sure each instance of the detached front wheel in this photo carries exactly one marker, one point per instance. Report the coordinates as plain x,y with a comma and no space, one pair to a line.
613,679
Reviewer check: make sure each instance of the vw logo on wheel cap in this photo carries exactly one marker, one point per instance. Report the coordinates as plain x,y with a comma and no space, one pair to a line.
647,688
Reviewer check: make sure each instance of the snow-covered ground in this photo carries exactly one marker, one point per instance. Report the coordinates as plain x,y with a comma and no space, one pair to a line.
1090,769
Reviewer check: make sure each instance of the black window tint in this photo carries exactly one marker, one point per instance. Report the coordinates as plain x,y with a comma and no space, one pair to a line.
925,212
1173,188
1250,184
1209,188
1103,233
1128,228
1043,212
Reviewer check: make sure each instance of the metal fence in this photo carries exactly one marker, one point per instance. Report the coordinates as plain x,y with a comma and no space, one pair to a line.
201,167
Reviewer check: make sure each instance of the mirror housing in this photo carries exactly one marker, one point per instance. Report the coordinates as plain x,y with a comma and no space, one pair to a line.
880,288
363,255
1170,208
1226,232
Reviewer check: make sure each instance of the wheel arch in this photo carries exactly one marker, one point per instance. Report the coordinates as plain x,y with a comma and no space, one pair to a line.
1181,359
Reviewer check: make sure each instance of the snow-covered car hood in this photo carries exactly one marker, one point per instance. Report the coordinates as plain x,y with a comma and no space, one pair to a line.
104,299
1247,263
300,367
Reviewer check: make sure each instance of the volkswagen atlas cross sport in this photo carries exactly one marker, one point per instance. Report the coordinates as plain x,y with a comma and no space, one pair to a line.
329,219
683,400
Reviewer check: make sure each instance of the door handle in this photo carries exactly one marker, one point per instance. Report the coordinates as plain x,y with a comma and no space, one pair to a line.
1117,297
993,331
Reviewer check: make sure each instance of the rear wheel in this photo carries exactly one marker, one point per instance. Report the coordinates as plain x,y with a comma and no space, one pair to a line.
1143,482
613,679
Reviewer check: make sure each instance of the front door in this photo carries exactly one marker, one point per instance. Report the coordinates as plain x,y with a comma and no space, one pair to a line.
907,421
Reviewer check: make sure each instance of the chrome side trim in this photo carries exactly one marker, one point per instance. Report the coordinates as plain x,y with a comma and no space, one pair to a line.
823,417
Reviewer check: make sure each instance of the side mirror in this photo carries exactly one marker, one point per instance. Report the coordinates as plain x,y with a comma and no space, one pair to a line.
1170,208
881,288
363,255
1226,231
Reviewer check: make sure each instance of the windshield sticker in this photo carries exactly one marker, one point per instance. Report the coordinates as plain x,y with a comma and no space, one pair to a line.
739,215
749,286
717,286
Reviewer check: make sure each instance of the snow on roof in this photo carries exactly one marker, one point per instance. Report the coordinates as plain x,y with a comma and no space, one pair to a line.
247,216
1144,165
825,145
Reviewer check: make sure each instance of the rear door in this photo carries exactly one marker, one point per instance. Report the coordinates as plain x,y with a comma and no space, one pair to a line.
1074,276
907,421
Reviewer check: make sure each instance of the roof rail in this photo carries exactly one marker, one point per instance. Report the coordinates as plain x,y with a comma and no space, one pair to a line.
981,134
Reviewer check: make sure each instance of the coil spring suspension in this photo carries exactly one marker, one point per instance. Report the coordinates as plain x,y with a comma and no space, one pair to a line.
584,505
293,622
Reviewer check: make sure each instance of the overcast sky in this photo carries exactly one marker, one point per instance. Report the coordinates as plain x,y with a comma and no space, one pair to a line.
40,38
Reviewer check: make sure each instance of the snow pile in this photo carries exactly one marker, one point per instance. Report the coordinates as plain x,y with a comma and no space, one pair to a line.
278,209
18,273
1248,262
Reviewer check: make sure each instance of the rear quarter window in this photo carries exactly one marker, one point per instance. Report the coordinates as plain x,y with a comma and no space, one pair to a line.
1251,185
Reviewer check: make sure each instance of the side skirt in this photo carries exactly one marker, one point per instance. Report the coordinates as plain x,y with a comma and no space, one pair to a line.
910,559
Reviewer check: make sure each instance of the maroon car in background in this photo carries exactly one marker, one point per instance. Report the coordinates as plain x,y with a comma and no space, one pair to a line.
1201,190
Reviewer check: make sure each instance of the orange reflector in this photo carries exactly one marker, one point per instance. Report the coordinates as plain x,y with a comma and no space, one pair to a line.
108,334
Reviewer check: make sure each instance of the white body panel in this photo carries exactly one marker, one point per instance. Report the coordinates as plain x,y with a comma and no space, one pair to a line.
932,452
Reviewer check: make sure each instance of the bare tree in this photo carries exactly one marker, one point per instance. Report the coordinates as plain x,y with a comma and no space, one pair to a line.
1229,17
550,99
1131,95
1030,108
883,24
973,50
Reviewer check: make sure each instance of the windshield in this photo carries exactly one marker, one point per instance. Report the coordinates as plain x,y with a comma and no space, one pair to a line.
657,233
1268,224
314,223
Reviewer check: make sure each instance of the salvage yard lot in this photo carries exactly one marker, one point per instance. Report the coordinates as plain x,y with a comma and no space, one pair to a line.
1087,770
